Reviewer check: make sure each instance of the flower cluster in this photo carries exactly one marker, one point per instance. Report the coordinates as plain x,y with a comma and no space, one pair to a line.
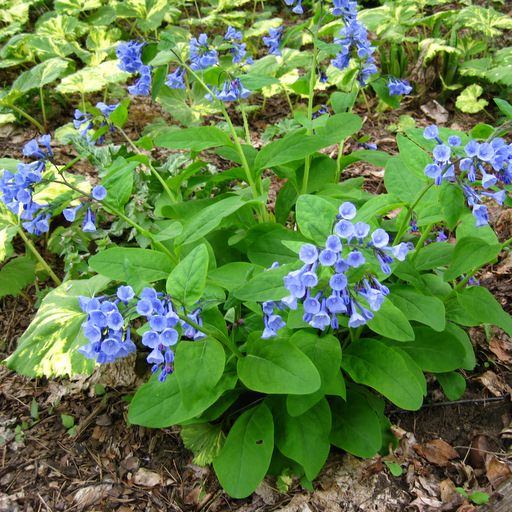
99,193
201,55
110,339
105,330
488,161
273,41
83,121
18,189
353,36
322,283
130,56
398,87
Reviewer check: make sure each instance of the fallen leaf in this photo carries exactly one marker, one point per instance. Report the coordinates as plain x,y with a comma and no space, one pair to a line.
147,478
497,472
478,451
495,384
502,348
91,494
438,452
435,111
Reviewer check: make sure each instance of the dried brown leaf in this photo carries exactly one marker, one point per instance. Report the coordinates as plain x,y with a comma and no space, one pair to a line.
438,452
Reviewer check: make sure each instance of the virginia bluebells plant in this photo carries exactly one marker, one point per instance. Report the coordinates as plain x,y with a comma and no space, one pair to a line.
130,56
490,162
273,41
398,87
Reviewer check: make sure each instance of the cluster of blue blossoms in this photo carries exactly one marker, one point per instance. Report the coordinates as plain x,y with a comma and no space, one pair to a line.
203,56
130,56
17,192
109,337
398,87
83,122
491,162
353,36
323,302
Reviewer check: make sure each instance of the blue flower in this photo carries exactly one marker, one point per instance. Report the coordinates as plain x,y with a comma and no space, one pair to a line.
201,55
142,86
298,8
175,79
398,87
273,40
89,225
99,192
130,56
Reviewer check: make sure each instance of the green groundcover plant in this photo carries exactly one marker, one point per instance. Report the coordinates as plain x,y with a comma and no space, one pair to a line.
270,336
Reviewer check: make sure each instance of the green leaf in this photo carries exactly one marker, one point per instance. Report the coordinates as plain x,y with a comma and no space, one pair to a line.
470,252
188,279
43,74
272,247
434,351
372,363
158,404
468,101
151,265
277,367
194,139
255,82
67,421
204,440
267,285
15,275
400,181
208,219
453,384
391,322
294,146
414,157
435,255
355,425
479,498
315,216
233,275
504,106
93,78
50,344
325,353
394,468
199,365
381,89
305,438
452,203
481,304
245,457
415,305
119,182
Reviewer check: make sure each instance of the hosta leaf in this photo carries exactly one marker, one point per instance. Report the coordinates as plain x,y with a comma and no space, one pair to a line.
43,74
16,274
50,344
91,79
468,100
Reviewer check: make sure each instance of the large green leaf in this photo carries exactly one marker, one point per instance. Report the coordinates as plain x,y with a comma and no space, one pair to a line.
470,252
438,254
159,404
198,365
481,305
372,363
355,425
245,457
188,279
305,438
151,265
50,344
277,367
194,139
43,74
391,322
427,309
119,182
315,216
267,285
16,274
400,181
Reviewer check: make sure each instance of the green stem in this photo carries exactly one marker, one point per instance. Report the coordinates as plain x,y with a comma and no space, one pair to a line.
29,117
366,102
41,260
45,122
154,172
403,227
338,162
246,122
421,242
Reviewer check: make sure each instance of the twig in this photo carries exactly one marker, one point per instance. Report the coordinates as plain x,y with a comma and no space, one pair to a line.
455,402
